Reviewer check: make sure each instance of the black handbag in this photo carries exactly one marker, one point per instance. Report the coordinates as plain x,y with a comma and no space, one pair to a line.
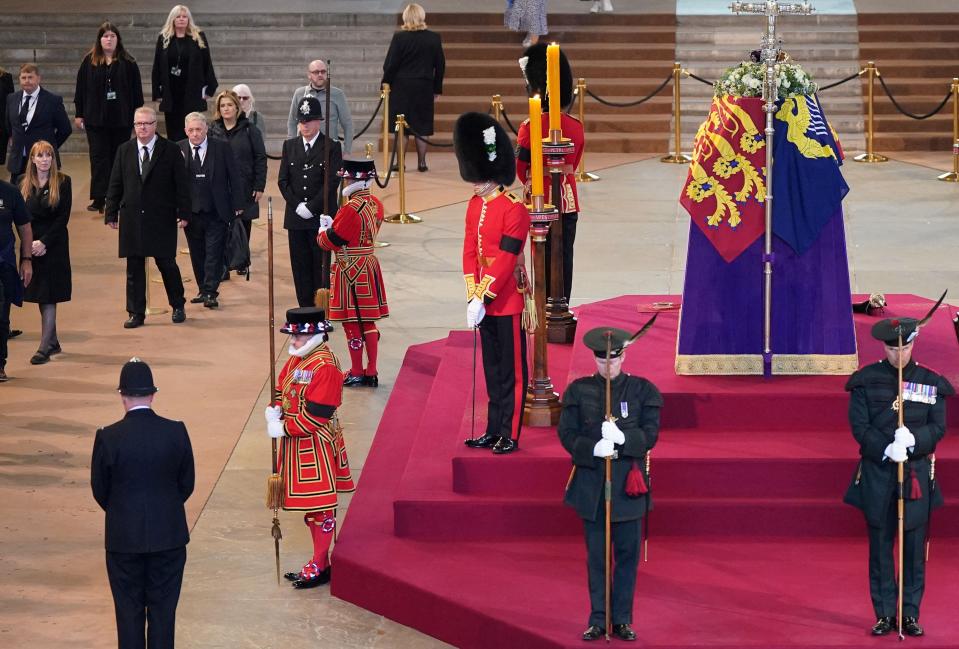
237,248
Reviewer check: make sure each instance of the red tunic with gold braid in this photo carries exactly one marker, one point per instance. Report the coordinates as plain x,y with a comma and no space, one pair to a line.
497,226
572,129
357,278
312,456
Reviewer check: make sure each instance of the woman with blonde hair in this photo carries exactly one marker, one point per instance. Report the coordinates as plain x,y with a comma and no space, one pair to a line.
248,106
183,76
414,68
48,195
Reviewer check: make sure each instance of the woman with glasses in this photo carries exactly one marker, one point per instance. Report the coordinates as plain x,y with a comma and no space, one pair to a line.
183,77
248,107
108,90
48,195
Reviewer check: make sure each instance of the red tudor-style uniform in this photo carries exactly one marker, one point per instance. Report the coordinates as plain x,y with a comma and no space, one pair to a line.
312,456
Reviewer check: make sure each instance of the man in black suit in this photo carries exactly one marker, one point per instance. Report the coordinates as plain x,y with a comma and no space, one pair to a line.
216,198
34,114
301,181
141,474
148,197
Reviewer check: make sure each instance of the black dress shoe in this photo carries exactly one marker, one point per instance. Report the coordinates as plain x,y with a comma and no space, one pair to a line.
323,577
55,349
593,633
211,302
134,321
3,376
486,441
199,299
14,333
910,626
353,381
422,167
624,632
291,576
179,315
225,277
96,206
883,626
40,358
504,445
371,380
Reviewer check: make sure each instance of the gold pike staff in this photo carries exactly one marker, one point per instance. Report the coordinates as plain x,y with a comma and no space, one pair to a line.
900,503
274,484
608,489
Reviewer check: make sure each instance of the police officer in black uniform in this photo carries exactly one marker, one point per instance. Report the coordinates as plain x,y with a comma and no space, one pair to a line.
141,474
590,439
301,181
873,417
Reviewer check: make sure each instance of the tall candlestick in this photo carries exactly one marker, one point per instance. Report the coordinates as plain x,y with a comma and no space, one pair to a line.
552,86
536,145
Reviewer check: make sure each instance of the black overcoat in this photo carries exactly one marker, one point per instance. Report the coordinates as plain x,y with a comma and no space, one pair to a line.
250,153
148,208
52,280
141,474
197,73
636,404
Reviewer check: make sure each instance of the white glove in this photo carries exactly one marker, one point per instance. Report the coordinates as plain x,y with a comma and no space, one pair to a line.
325,221
612,432
905,437
275,429
604,448
896,452
303,211
475,312
273,413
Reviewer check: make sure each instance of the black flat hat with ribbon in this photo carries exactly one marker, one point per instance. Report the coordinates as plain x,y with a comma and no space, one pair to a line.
889,330
357,170
620,339
483,150
306,320
136,379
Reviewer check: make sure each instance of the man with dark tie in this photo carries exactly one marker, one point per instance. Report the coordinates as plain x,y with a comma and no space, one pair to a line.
141,474
33,114
216,199
301,181
148,198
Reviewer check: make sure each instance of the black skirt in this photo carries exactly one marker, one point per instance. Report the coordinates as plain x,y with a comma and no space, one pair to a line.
414,99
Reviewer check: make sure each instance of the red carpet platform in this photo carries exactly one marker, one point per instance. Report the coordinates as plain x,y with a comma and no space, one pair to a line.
750,545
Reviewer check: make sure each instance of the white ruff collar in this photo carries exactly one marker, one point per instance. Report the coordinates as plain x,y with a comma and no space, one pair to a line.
303,351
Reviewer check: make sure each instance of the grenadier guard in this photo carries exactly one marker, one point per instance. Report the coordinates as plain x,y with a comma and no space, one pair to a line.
533,65
301,181
312,453
590,438
357,293
873,417
497,226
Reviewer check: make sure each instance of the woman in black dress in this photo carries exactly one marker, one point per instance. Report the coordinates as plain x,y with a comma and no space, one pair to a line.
414,68
108,90
48,195
231,124
183,77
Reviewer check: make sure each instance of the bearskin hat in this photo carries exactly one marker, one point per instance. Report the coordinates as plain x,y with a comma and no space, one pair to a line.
483,150
535,74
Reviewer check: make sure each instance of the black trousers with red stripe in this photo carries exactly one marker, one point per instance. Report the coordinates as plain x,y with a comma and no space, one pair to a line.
506,373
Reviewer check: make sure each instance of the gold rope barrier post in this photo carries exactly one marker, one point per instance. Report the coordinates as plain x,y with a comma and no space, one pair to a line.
369,156
953,177
677,156
870,155
496,103
583,176
151,310
385,94
402,216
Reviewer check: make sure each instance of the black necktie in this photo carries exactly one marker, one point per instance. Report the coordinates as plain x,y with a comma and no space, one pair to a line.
196,155
307,146
24,110
144,159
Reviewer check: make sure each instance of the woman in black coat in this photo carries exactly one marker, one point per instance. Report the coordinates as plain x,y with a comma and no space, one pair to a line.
183,77
48,195
231,124
414,68
108,90
6,88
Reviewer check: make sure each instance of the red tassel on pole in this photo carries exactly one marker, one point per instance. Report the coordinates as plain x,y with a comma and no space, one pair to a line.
635,484
915,491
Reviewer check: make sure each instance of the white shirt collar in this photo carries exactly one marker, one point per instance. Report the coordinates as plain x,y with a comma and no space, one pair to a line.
149,145
311,142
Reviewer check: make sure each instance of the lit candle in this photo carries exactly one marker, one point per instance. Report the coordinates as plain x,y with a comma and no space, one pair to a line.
536,145
552,86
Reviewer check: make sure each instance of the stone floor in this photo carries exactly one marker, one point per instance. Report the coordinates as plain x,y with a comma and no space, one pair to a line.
213,372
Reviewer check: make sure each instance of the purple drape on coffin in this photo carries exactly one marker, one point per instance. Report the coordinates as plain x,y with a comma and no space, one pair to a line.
722,310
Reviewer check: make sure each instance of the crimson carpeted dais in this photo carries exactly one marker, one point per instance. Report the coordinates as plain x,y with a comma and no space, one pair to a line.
750,543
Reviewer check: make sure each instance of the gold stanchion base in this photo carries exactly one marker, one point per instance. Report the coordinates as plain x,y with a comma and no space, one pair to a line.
541,408
951,177
676,158
403,218
156,310
381,244
587,177
870,157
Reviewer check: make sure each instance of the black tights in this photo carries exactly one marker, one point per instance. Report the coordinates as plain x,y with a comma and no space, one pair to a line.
48,327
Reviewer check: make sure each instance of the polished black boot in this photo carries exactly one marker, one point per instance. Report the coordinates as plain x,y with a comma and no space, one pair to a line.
486,441
910,626
593,633
371,380
883,626
353,381
624,632
505,445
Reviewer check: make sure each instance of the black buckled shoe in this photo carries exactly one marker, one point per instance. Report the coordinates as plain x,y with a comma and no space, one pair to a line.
353,381
624,632
504,445
883,626
593,633
371,380
322,577
179,315
292,576
486,441
199,299
910,626
135,320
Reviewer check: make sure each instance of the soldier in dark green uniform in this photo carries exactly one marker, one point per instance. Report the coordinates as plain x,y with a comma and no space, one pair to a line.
589,439
873,416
